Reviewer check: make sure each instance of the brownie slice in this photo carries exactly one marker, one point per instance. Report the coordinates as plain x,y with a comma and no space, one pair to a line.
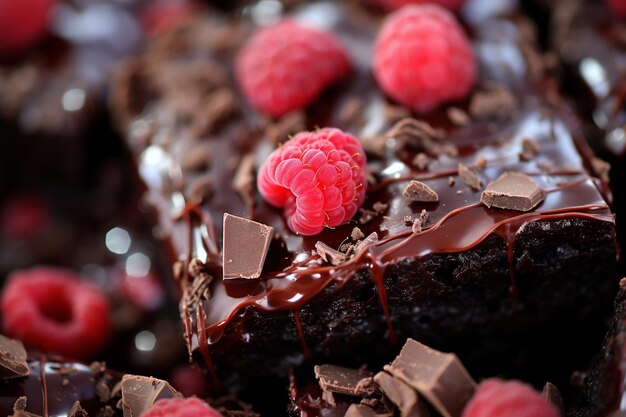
509,292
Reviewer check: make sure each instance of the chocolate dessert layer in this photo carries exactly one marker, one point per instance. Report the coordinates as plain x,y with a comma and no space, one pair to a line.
501,288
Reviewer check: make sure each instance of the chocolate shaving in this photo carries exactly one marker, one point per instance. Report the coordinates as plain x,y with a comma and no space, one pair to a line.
246,244
329,254
416,227
13,356
530,149
494,102
513,191
77,411
469,176
139,393
417,191
439,377
458,116
402,395
19,409
552,395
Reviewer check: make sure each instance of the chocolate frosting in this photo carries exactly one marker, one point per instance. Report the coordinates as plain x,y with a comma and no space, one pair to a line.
163,130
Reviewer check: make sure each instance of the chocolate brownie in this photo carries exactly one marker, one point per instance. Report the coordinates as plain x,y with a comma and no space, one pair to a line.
509,291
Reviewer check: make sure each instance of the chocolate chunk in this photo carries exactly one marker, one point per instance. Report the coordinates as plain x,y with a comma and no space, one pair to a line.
344,380
357,410
419,192
19,409
402,395
469,176
77,411
439,377
494,102
371,239
246,244
552,394
513,191
458,116
357,234
530,149
329,254
12,358
139,393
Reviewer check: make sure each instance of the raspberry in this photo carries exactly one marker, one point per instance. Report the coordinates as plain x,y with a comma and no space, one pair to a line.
23,217
422,57
189,381
53,310
163,15
181,407
618,7
318,177
22,23
286,66
396,4
496,398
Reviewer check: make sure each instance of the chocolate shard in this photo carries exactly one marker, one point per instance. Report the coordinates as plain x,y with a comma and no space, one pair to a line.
513,191
139,393
358,410
402,395
342,380
12,358
552,395
19,409
417,191
77,411
329,254
439,377
530,149
469,176
246,244
371,239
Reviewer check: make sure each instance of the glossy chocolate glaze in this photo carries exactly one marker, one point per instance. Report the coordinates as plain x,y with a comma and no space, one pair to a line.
161,136
55,384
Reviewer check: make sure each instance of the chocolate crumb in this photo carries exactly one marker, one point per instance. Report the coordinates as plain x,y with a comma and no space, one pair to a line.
424,216
329,254
512,191
246,244
416,227
421,161
458,116
12,359
366,215
480,163
451,181
380,207
600,168
469,176
243,182
196,267
65,382
77,411
530,149
494,102
103,392
357,234
552,395
139,393
407,220
417,191
371,239
19,408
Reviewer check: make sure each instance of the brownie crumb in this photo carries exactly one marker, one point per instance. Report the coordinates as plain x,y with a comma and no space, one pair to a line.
330,255
469,176
417,191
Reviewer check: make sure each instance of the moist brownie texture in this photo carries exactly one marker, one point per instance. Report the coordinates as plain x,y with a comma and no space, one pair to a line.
509,291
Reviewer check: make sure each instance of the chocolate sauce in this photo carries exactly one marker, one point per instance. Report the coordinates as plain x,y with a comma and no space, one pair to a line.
294,274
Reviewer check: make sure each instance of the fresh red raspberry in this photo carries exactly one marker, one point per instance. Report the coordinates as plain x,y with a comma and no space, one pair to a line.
396,4
23,217
162,15
618,7
22,23
318,177
181,407
497,398
53,310
422,57
189,381
286,66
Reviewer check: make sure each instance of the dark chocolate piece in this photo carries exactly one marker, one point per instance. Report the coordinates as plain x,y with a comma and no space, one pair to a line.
358,410
469,176
438,377
12,358
419,192
77,411
340,380
402,395
139,393
552,395
530,149
246,243
513,191
19,408
329,254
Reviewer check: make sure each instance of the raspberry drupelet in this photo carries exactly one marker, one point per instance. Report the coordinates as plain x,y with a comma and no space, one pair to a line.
422,58
396,4
317,177
286,66
181,407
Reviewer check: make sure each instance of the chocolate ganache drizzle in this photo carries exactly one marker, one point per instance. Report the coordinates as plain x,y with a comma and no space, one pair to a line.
188,158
